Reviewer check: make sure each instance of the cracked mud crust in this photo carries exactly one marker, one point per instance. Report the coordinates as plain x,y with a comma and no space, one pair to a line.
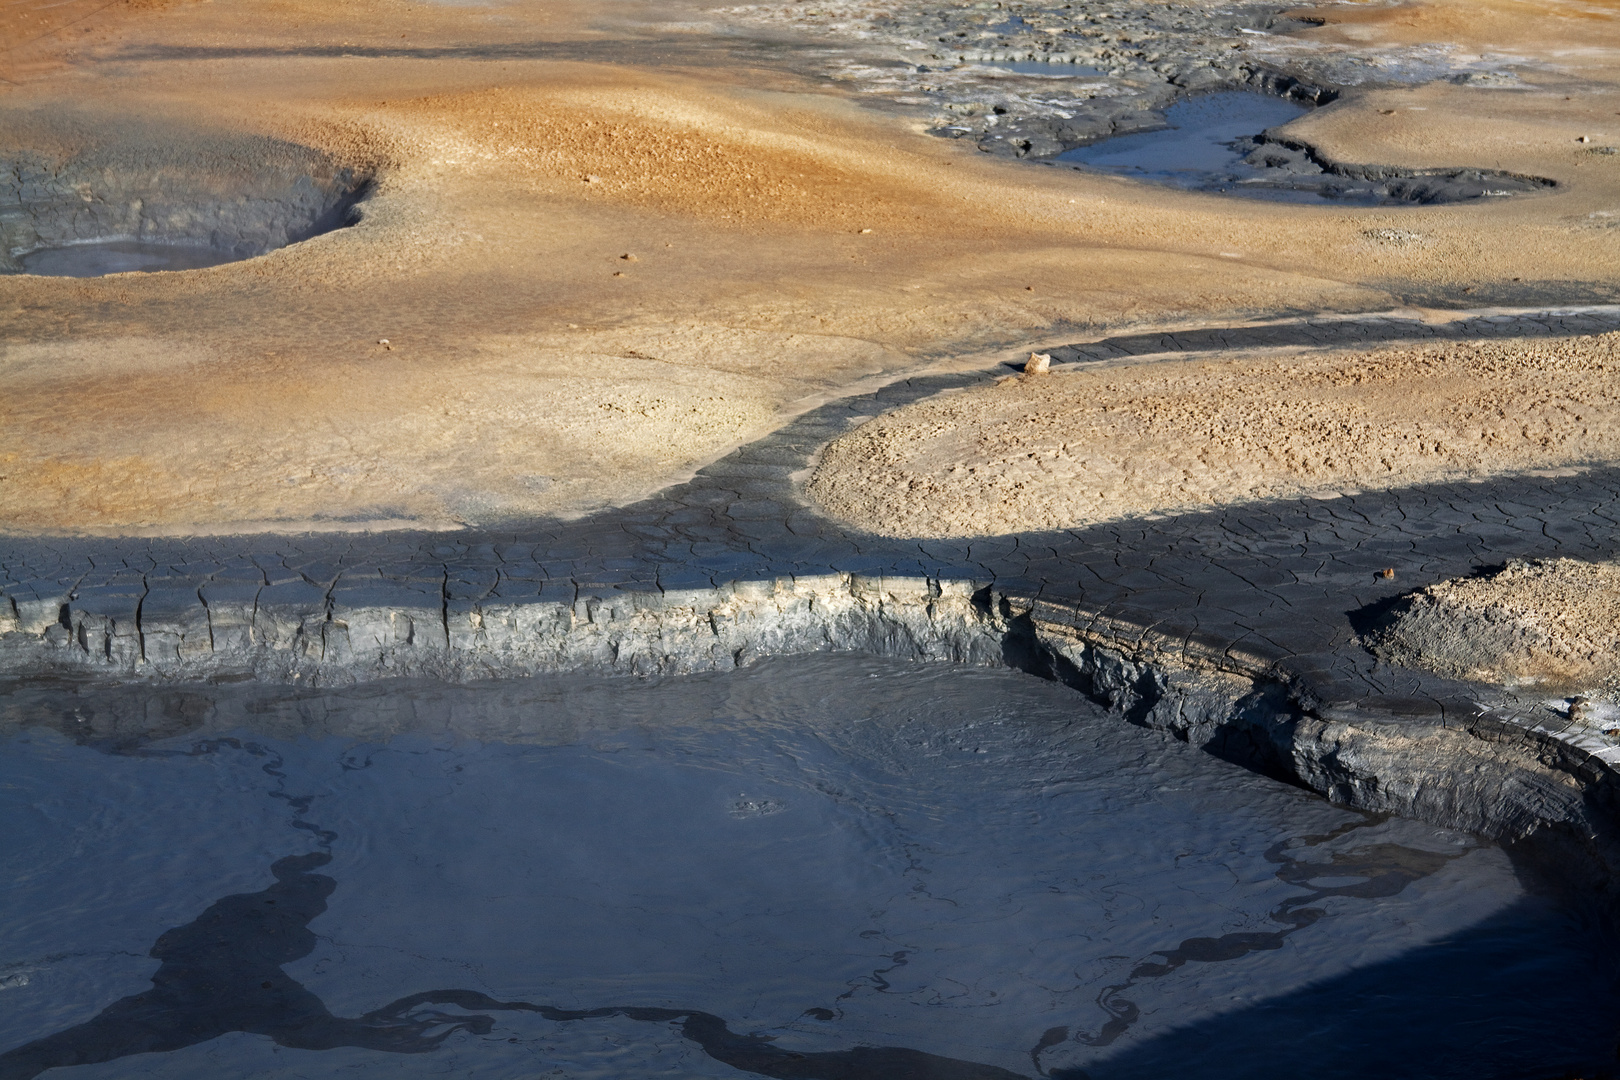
1553,623
521,152
1076,447
1232,628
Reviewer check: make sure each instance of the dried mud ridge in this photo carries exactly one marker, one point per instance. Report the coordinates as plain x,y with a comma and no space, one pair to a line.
64,182
1554,623
1239,630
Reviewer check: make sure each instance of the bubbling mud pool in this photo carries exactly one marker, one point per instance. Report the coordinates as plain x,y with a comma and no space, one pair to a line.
828,866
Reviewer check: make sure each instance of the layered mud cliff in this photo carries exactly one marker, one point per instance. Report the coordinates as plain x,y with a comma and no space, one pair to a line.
1460,763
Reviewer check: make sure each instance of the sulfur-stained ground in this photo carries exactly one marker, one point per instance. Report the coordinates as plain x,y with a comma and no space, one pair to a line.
787,242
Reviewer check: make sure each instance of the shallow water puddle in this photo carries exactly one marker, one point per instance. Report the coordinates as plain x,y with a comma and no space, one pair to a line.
1216,143
121,257
833,867
1204,146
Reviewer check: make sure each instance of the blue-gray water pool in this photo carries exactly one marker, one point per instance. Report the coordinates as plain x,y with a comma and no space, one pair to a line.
1204,146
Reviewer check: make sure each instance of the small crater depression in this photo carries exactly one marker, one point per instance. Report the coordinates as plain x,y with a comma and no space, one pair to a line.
1227,142
86,199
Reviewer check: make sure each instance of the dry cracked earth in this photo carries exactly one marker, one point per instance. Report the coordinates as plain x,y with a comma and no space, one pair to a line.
600,247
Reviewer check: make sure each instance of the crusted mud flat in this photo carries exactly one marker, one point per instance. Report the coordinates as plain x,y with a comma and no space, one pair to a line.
1091,443
1539,623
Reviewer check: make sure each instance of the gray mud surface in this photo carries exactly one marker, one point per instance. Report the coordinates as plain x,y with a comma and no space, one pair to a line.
995,73
82,199
822,868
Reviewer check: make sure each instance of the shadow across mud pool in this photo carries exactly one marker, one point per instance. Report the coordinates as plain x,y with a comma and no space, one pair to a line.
830,868
1474,971
222,973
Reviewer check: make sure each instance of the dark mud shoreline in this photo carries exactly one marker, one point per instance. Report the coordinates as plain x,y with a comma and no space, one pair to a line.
938,60
1237,630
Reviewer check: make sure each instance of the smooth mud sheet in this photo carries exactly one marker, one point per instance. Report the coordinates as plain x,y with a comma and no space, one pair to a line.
825,867
1044,67
1204,147
121,257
